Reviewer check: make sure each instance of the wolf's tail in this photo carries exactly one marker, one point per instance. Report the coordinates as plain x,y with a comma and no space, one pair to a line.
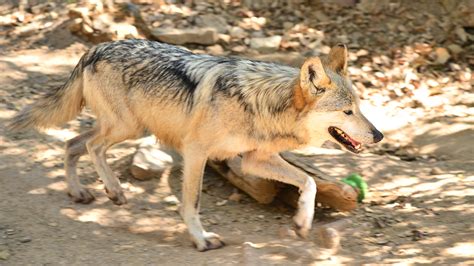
55,107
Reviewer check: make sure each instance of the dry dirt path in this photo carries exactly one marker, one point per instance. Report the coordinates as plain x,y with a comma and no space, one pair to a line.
420,207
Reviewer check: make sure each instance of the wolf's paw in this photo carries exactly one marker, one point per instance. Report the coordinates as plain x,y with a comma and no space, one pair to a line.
301,231
302,226
210,241
82,195
117,196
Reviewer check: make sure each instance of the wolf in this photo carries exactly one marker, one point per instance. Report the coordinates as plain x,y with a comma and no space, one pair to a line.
205,107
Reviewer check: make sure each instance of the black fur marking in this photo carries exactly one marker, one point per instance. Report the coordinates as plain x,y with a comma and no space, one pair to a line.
311,73
172,75
198,200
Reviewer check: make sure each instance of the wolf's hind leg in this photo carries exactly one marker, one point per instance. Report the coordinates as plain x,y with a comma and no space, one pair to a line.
194,163
97,147
75,148
275,168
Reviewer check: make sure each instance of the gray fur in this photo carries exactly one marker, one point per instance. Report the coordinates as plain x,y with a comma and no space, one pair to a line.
173,73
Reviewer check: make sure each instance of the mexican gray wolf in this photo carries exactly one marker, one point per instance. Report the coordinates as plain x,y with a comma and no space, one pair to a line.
205,107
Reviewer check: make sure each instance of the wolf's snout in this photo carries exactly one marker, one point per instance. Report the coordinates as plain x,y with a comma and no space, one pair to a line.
378,136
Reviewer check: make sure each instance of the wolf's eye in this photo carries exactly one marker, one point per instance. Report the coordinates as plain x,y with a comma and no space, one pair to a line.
348,112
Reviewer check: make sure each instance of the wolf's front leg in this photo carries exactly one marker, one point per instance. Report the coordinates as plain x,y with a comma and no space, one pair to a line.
275,168
194,163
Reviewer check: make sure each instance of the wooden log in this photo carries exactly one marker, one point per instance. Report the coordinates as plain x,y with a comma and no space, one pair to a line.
330,193
262,190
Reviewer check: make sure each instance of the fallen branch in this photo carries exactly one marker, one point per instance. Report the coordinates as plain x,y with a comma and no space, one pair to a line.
331,192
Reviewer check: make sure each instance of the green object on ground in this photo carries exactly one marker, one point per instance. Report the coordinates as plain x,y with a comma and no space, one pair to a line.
356,181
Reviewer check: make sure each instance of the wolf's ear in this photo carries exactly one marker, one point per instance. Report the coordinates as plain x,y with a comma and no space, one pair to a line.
313,78
338,59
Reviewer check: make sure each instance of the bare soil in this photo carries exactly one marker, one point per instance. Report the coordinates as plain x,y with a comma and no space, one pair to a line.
419,209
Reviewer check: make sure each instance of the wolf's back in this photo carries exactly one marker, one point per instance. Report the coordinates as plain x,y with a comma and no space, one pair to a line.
55,107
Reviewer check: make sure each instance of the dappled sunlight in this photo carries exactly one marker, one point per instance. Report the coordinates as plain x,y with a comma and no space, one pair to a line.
99,216
464,250
60,134
411,69
58,186
32,62
38,191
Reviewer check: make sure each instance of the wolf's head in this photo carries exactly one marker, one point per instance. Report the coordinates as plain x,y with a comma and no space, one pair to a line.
334,112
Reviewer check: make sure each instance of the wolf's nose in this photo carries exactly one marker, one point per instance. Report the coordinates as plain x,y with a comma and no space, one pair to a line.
378,136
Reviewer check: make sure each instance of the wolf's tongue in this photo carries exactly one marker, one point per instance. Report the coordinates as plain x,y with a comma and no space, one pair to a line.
353,142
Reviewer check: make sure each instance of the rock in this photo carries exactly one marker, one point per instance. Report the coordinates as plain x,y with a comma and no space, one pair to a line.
285,232
329,237
171,199
124,31
266,44
79,12
223,38
152,160
455,49
239,48
442,55
212,21
237,33
215,49
237,197
461,33
221,203
287,25
25,239
436,171
291,59
4,254
75,25
205,36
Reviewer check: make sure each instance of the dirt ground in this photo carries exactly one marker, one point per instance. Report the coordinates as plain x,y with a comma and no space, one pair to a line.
419,209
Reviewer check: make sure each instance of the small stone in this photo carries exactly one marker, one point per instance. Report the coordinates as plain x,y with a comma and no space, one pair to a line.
329,237
212,221
381,242
205,36
237,197
221,203
53,224
215,50
79,12
74,237
4,254
212,21
287,25
237,33
10,231
455,49
171,199
239,48
25,239
436,171
266,44
285,232
152,160
223,38
442,55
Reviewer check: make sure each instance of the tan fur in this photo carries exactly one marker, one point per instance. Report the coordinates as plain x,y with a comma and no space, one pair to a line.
216,127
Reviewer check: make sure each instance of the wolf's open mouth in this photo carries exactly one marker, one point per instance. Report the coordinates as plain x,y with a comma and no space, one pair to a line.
344,139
